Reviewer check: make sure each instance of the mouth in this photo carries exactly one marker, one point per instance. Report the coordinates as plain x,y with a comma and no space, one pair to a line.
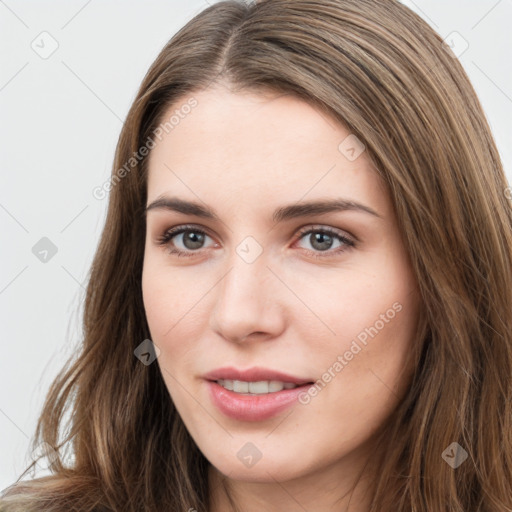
259,379
253,395
261,387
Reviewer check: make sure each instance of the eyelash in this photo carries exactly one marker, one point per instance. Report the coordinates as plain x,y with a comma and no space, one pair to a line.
164,240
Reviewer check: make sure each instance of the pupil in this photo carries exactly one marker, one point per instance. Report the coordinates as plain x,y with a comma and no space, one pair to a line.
193,240
320,239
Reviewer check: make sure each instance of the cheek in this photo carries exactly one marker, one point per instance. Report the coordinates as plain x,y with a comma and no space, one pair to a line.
364,370
175,312
174,332
353,300
366,320
158,301
169,294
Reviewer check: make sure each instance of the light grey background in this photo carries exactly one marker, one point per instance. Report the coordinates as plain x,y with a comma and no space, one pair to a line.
60,120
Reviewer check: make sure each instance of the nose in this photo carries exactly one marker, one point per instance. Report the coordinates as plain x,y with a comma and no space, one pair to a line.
248,304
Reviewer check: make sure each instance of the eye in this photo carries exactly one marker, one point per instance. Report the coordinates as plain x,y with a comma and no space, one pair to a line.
193,238
322,239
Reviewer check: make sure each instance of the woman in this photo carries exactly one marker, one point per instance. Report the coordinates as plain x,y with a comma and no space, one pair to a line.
334,330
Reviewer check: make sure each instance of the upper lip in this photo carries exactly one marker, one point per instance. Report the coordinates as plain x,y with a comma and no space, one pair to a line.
254,374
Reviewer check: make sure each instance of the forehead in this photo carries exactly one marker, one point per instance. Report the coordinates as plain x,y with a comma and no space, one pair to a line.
271,144
253,122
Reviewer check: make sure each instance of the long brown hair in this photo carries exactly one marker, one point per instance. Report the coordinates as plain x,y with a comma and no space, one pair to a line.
383,72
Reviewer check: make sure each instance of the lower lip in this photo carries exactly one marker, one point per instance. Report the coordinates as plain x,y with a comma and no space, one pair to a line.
253,407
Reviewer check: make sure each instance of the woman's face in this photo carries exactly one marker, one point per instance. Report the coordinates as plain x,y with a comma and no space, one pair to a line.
291,271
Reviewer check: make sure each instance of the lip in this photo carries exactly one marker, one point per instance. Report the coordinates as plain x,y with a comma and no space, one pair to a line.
254,374
243,407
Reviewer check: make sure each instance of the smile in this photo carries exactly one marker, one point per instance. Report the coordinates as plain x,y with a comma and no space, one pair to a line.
262,387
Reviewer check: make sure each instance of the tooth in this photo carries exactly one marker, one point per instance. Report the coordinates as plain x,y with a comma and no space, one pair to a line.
240,386
275,385
261,387
258,387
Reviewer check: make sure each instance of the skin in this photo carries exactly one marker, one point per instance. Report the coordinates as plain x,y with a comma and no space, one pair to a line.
244,155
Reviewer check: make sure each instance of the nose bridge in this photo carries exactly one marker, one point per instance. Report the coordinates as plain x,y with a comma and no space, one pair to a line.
246,300
247,280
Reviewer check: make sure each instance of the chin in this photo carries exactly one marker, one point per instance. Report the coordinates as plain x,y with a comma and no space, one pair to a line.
264,470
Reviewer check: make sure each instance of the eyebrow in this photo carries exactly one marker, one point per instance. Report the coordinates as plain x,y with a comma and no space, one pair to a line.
304,209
